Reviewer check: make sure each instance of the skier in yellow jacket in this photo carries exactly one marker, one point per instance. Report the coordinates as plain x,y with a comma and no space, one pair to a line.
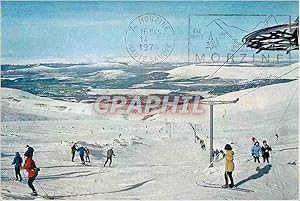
229,166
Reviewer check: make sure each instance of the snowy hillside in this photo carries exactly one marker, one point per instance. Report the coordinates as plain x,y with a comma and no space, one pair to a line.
230,72
17,105
153,159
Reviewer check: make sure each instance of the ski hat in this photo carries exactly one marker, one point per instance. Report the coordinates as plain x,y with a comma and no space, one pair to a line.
27,154
228,147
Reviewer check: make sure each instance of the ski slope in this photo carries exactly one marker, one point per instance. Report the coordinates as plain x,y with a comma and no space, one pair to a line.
151,162
244,72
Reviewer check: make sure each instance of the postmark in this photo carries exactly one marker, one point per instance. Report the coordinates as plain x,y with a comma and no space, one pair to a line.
215,39
150,39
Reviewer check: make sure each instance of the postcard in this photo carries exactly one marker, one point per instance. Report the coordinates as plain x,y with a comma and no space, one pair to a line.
150,100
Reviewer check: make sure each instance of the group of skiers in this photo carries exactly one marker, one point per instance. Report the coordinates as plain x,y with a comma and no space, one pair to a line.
29,166
32,169
258,150
81,151
84,153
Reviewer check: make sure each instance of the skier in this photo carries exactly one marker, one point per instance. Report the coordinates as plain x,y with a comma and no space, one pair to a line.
87,155
32,170
197,138
256,150
229,166
216,153
265,149
276,136
222,153
29,151
81,151
110,153
202,144
18,163
73,151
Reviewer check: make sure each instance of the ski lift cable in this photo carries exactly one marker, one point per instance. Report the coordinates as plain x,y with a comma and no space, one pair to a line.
286,110
270,81
226,61
261,86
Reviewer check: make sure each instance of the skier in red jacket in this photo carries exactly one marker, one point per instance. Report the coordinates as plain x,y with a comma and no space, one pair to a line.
32,171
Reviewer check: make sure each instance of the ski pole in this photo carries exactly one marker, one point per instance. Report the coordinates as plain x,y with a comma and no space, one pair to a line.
210,164
42,188
14,172
249,159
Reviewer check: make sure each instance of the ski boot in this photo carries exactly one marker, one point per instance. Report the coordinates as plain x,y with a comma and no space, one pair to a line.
231,185
225,186
34,193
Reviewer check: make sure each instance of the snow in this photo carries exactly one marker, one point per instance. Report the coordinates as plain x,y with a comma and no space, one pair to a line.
233,72
110,75
17,105
151,162
128,91
35,69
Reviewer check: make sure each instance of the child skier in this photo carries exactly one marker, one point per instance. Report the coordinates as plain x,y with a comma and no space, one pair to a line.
87,155
81,151
256,150
18,163
265,149
32,170
229,166
110,153
73,151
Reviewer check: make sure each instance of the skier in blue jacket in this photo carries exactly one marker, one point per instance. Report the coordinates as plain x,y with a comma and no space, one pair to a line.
18,163
256,151
81,151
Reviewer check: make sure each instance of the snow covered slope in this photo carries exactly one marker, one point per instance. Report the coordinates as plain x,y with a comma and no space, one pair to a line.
17,105
151,162
229,72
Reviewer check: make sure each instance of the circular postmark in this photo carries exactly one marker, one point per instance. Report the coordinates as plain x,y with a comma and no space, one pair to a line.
150,39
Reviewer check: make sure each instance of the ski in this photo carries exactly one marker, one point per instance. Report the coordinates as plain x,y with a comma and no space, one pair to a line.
235,187
42,196
207,185
48,197
220,187
213,184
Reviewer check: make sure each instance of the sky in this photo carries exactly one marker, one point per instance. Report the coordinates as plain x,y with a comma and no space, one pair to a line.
33,30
